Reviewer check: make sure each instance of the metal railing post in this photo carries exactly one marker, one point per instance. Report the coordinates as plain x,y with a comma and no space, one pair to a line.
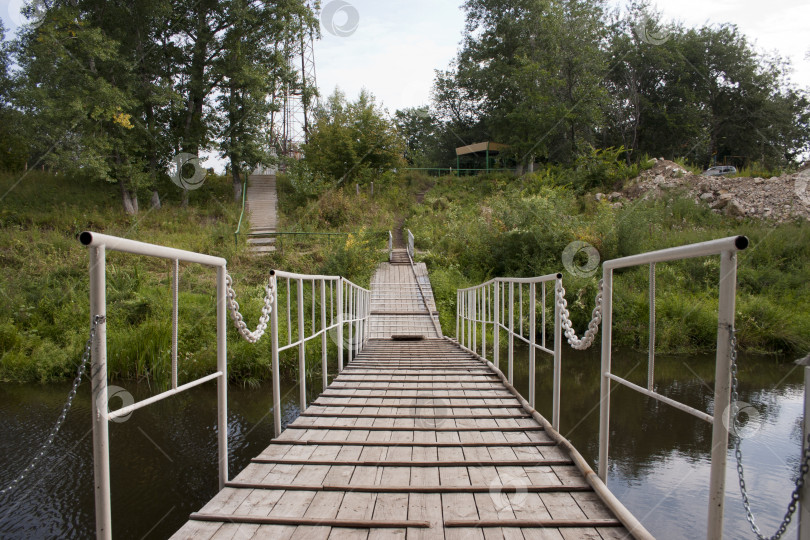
350,312
274,364
98,408
804,502
458,313
510,365
484,306
532,341
340,287
323,335
302,355
496,338
222,381
555,406
722,393
651,350
474,323
604,392
175,302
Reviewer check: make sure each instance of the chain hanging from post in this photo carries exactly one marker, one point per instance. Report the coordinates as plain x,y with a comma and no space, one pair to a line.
97,320
804,468
233,307
593,326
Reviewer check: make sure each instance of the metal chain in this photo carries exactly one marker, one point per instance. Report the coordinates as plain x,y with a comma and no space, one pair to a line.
233,307
97,320
593,326
805,461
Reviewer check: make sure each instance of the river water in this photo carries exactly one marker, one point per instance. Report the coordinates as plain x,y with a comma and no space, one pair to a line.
163,459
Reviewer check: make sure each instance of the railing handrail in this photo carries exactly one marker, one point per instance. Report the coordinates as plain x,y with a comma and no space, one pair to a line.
691,251
125,245
242,215
726,248
477,305
538,279
98,245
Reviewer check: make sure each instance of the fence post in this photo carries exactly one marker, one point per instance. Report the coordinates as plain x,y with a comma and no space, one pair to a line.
532,341
274,363
804,504
350,313
340,323
555,412
302,354
458,312
222,381
98,407
496,338
484,305
604,389
323,335
722,393
511,331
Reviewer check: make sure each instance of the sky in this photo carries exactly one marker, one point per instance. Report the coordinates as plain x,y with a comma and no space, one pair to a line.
393,47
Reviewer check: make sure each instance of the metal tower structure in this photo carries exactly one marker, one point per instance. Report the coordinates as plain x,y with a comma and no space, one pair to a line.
298,97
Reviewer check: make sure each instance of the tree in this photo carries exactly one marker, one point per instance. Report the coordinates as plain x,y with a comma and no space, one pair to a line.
353,141
529,71
253,67
13,140
418,127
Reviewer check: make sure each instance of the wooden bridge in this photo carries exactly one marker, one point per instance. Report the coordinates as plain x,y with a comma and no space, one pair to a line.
416,438
419,435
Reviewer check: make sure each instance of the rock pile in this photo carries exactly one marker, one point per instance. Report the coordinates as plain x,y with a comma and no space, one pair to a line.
780,198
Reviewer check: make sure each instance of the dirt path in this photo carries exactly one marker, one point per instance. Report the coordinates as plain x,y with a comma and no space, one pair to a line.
399,228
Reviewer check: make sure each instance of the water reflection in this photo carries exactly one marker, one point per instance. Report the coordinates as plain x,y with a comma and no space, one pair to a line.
660,456
164,458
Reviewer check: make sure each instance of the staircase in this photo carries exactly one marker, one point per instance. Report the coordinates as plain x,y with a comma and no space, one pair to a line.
399,256
261,203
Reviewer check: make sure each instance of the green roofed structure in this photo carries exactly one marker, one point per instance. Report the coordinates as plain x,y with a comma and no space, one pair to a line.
486,148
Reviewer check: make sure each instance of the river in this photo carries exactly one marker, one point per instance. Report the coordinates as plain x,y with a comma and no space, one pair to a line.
163,458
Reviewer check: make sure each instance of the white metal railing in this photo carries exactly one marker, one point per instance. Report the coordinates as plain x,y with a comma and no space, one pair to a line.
410,244
390,244
344,309
99,244
727,249
495,304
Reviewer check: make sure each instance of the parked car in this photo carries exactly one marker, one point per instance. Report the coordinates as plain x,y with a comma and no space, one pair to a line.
720,170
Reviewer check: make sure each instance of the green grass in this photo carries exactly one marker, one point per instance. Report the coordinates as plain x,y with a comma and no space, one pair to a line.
471,228
477,228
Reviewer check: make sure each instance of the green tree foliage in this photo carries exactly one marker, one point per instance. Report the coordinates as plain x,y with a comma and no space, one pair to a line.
115,89
529,72
555,78
418,127
353,141
13,143
704,94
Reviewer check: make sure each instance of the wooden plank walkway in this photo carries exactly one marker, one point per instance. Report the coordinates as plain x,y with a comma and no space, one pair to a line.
417,440
397,302
261,203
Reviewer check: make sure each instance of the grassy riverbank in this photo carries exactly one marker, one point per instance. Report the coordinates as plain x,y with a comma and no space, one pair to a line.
476,228
470,229
43,319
